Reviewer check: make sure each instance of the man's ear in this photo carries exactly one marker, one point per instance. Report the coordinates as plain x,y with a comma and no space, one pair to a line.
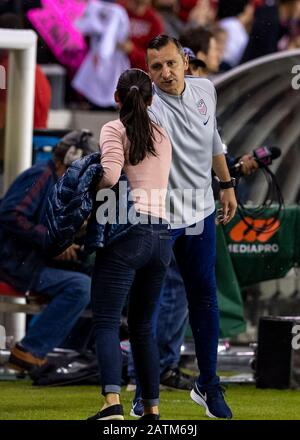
186,62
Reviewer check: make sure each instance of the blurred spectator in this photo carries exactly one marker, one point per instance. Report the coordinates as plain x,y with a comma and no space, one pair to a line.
168,12
294,40
24,258
203,13
204,45
272,21
196,67
107,25
145,24
42,98
221,39
236,17
185,7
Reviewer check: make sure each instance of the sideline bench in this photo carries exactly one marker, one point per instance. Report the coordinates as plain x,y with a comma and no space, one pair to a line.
35,303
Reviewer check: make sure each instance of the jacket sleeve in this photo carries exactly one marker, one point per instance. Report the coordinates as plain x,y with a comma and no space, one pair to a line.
20,206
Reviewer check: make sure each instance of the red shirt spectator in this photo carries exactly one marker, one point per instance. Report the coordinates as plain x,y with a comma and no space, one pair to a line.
145,24
42,99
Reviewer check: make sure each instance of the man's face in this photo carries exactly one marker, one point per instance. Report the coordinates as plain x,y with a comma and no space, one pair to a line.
213,57
167,68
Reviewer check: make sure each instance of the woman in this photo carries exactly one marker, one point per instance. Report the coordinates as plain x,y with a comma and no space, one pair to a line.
138,261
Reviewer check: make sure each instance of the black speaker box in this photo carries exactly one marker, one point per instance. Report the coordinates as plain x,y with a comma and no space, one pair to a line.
278,352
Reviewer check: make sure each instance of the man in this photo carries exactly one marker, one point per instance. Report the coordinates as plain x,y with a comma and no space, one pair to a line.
205,47
173,312
196,67
171,331
186,108
23,255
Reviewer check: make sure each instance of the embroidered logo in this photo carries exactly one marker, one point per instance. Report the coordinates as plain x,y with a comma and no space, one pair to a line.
202,107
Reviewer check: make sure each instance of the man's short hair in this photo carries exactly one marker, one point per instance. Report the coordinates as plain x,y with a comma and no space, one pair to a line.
197,39
162,40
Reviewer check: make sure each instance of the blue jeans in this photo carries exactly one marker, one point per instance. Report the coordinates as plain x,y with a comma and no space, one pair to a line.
172,318
196,257
70,294
169,321
195,285
136,265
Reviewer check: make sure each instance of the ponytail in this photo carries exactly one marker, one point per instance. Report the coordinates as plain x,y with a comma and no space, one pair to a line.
135,92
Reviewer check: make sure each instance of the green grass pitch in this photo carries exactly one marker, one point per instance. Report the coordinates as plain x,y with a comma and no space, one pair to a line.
21,401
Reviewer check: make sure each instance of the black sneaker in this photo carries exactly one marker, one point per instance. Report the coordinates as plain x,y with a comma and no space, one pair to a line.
113,412
174,378
150,417
211,397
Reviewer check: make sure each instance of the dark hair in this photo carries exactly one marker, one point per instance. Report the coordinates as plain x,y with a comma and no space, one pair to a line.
163,40
135,92
231,8
197,39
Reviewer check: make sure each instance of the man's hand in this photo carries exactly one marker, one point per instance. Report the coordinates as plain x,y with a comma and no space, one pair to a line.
248,165
229,205
70,254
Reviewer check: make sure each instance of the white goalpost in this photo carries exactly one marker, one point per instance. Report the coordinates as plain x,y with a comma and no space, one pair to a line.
20,80
20,100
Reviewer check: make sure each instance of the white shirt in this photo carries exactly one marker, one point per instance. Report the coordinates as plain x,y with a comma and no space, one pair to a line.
237,40
106,24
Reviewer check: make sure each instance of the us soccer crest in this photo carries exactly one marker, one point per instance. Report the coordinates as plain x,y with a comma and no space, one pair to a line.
202,107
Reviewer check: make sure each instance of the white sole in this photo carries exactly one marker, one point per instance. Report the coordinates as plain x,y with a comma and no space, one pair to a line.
115,417
132,414
196,398
131,387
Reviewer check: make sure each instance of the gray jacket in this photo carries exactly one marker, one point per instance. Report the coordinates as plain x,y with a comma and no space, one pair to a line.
190,121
